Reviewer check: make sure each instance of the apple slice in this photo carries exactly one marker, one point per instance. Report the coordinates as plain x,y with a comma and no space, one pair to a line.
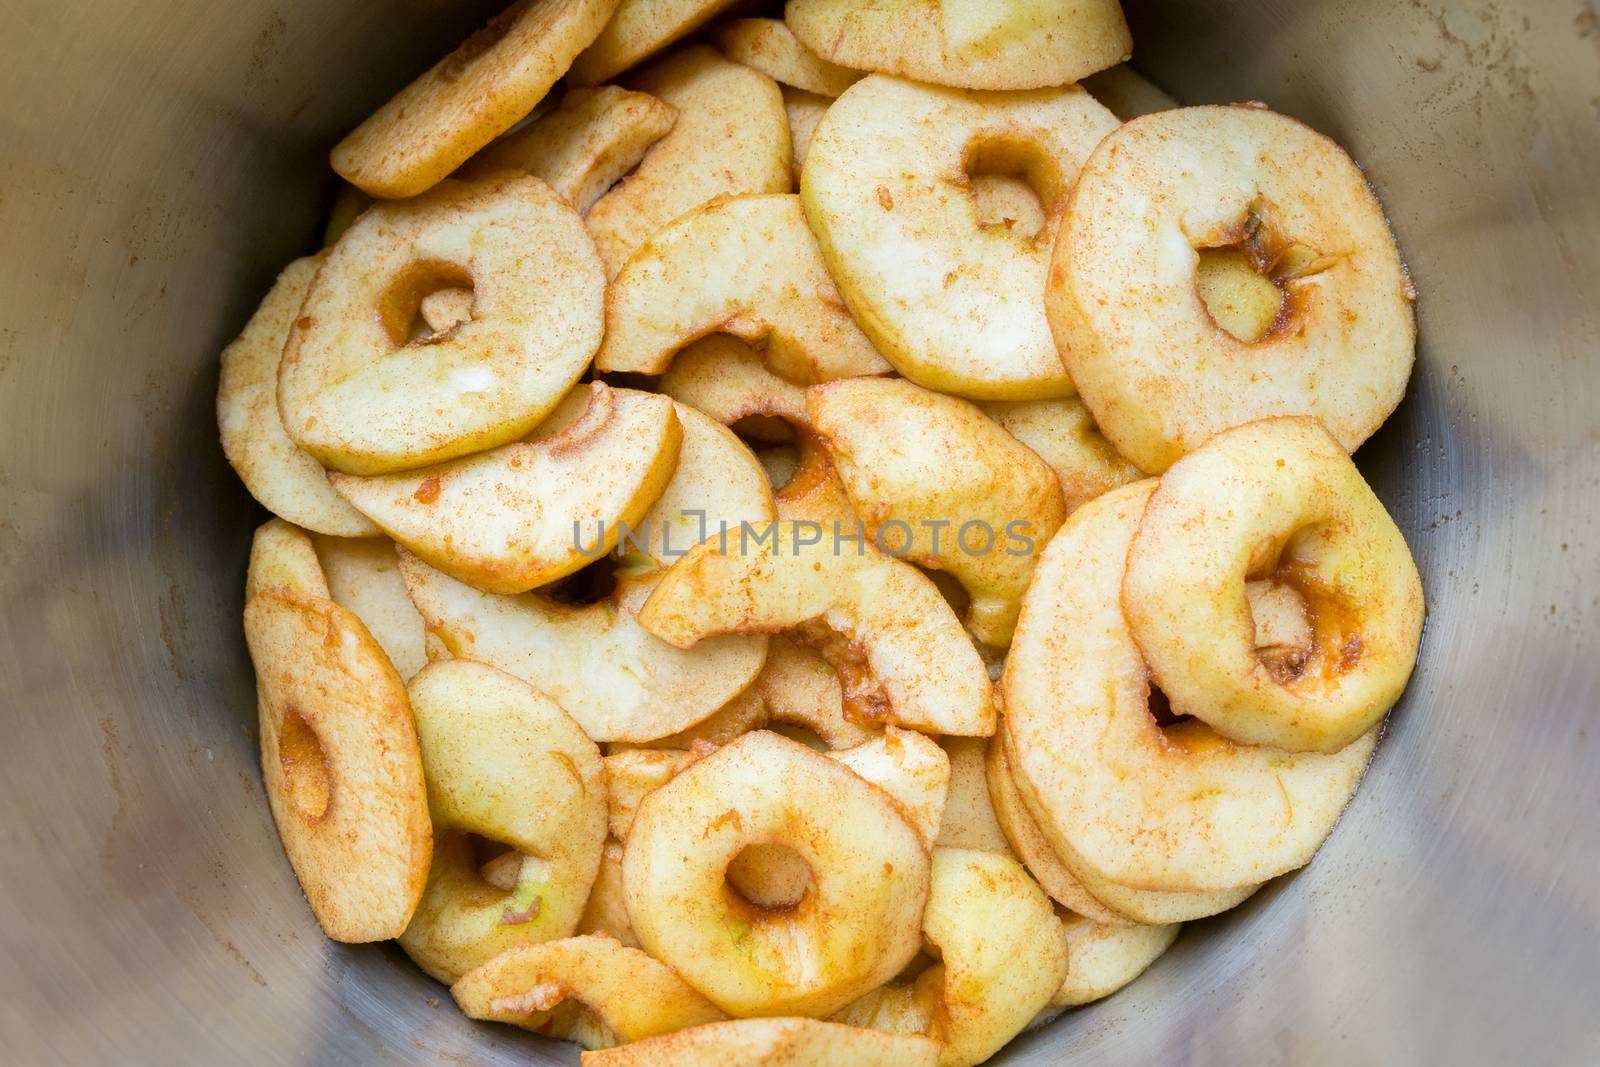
364,576
469,97
932,677
731,137
912,769
954,304
805,110
744,265
729,381
1064,435
284,478
1102,959
639,30
969,816
969,44
922,465
592,990
1127,93
525,514
772,1043
583,147
339,755
768,46
357,391
606,913
620,682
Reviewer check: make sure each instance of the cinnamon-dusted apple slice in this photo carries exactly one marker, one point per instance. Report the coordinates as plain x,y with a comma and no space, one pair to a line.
744,265
768,1042
805,110
892,615
364,576
620,682
770,47
954,304
969,44
912,769
730,381
288,481
339,755
919,465
592,990
639,30
731,137
1064,435
359,392
583,147
469,97
524,514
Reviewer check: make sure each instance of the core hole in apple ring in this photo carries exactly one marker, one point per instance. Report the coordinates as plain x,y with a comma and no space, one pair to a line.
1014,184
1247,277
400,306
769,877
306,772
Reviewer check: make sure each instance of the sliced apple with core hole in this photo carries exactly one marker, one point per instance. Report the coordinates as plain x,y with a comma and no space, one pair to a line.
524,514
932,677
731,137
339,755
619,681
729,381
744,265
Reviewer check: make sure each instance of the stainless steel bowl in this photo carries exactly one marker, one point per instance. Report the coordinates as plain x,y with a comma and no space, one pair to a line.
160,159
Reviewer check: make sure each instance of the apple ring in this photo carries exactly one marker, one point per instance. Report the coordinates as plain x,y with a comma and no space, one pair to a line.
585,146
729,381
502,520
887,614
1124,299
968,44
469,98
744,265
354,393
1178,809
985,916
1063,434
1298,509
769,46
339,756
616,679
505,762
953,304
284,478
592,990
730,138
857,925
931,464
772,1043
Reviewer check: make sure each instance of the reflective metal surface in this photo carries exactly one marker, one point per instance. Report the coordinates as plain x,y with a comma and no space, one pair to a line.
159,161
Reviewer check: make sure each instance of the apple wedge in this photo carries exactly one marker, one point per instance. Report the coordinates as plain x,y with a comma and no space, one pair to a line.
283,477
772,1043
744,265
592,990
931,676
583,147
524,514
922,465
954,304
339,756
619,681
969,44
469,97
364,576
731,137
639,30
769,46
